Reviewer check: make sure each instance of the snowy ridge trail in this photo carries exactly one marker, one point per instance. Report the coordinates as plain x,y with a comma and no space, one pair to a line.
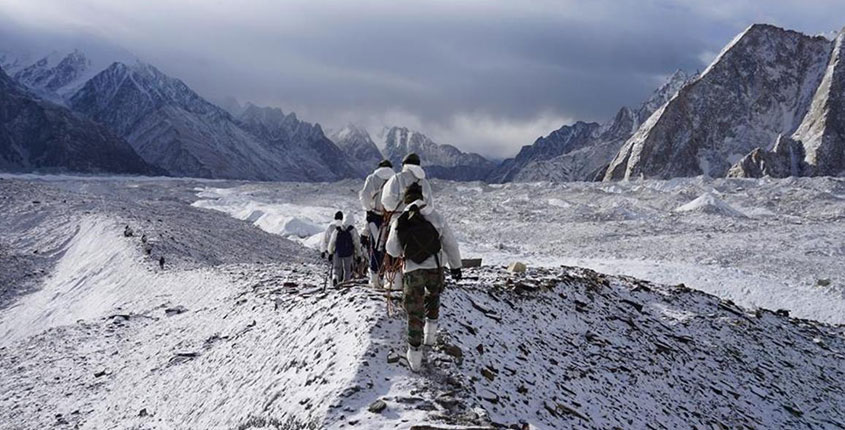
553,349
236,332
99,273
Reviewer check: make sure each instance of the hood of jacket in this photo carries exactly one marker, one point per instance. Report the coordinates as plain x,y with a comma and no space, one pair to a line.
348,219
384,173
417,171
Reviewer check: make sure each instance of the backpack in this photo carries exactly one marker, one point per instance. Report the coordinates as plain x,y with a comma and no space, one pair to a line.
418,237
343,246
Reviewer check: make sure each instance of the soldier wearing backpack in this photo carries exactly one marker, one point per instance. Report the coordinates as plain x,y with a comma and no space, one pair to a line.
327,235
370,197
393,195
422,237
344,247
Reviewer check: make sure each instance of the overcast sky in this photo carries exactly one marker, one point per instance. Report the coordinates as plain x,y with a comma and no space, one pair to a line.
486,76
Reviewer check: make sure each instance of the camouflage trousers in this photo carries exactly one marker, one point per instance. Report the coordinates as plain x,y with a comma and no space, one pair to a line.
422,300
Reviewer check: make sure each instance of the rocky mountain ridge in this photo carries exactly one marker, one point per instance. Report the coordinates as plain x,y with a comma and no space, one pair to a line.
37,135
579,152
767,82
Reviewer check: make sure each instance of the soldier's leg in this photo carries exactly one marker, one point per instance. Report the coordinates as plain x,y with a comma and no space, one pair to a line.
413,298
337,269
434,282
347,268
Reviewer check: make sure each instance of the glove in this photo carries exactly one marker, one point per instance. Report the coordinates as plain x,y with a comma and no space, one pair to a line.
456,274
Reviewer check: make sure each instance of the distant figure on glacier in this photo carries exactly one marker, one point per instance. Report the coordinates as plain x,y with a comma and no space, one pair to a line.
392,198
327,235
421,236
344,247
370,197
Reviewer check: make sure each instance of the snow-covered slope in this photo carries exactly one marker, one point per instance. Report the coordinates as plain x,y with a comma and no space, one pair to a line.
37,135
760,86
172,127
236,331
359,147
440,161
579,152
305,142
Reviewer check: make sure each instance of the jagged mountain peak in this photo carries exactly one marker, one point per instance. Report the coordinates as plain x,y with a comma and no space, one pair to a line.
55,75
772,73
42,136
441,160
173,127
358,146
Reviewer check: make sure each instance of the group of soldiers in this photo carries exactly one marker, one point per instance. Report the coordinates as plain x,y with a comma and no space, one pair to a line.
406,246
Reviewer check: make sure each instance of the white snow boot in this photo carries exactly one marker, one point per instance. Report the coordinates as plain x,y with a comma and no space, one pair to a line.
430,332
414,358
375,280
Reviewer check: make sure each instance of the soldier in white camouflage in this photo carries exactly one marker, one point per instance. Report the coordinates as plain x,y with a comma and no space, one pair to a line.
424,240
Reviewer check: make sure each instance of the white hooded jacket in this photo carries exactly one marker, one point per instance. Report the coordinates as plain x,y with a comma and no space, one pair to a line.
370,195
327,235
394,190
356,239
449,252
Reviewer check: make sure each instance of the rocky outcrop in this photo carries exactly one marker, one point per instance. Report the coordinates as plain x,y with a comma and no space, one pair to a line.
37,135
440,161
762,84
785,159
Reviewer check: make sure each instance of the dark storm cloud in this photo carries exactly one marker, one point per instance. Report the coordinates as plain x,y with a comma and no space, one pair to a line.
487,76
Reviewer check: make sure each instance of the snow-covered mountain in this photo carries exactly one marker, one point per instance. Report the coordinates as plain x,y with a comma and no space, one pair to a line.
580,151
172,127
440,161
54,76
37,135
767,82
358,146
302,140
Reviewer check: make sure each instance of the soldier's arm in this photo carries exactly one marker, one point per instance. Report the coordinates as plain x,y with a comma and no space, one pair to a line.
393,247
450,245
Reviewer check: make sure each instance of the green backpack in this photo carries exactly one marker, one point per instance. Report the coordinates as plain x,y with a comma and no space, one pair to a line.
418,237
